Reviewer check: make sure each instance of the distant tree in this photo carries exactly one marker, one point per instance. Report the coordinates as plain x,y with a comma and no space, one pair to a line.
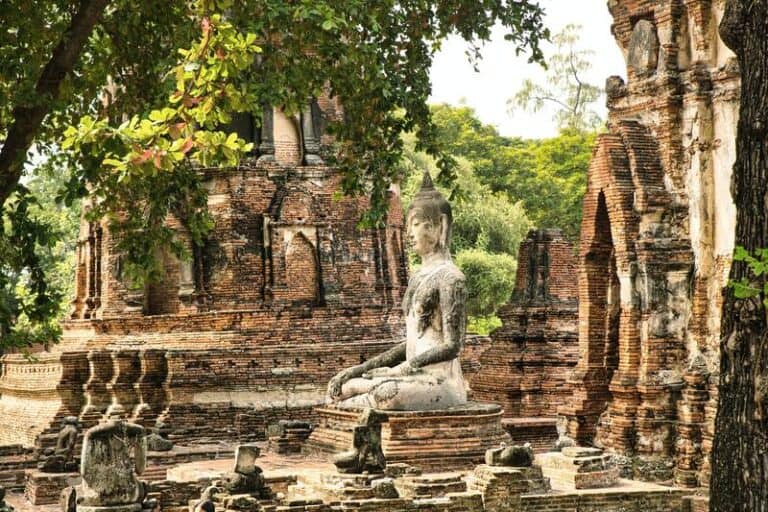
549,178
565,86
54,228
461,133
490,280
546,176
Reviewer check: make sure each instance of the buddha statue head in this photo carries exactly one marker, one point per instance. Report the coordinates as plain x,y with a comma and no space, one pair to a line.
429,220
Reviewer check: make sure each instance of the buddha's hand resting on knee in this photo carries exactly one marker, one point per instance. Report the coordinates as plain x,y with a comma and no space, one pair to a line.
334,385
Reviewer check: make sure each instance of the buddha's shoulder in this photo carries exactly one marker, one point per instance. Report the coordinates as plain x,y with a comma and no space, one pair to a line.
450,274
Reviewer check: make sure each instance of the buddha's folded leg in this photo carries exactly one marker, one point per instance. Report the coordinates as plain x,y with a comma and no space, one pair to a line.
417,392
357,386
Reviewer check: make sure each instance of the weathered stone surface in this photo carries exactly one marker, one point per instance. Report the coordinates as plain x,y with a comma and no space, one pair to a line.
245,458
579,468
291,435
512,456
643,47
384,488
366,454
46,488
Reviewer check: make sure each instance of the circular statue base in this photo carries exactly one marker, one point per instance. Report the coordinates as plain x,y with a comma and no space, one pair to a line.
437,440
114,508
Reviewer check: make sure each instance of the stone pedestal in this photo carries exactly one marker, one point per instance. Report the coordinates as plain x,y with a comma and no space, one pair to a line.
45,488
502,487
578,468
445,439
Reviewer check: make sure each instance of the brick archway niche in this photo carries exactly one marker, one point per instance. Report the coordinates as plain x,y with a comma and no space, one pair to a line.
632,275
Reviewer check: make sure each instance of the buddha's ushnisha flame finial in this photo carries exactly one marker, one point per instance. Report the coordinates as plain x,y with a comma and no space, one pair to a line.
426,182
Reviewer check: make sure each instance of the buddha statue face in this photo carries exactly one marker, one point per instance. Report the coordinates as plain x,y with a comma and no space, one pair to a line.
424,233
429,221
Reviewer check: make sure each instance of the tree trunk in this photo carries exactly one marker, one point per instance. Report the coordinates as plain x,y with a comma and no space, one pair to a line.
28,118
740,452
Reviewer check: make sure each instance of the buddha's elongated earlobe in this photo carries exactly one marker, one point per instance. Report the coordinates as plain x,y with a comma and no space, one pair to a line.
445,233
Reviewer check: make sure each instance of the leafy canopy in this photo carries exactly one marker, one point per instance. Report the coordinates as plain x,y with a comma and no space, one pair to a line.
140,105
546,176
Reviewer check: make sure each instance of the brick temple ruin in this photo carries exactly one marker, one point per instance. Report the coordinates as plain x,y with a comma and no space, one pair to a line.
286,290
618,336
656,240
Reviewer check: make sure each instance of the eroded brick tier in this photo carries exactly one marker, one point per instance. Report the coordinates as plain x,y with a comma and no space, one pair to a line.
656,239
286,291
531,354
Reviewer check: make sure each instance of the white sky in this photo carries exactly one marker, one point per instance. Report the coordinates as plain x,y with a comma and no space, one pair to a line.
502,73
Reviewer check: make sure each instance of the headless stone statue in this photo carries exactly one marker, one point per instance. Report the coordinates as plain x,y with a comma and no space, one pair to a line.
514,456
113,455
61,459
563,439
423,372
366,453
3,506
157,440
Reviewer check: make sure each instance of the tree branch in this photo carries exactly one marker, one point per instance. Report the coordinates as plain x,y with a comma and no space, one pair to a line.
553,100
579,86
28,118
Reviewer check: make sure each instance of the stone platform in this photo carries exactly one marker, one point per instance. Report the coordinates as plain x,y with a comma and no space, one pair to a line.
432,440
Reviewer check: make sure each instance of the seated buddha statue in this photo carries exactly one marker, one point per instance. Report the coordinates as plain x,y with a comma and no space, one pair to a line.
423,372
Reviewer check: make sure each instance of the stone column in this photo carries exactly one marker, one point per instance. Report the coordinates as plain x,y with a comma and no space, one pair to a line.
125,396
97,395
310,136
267,143
151,386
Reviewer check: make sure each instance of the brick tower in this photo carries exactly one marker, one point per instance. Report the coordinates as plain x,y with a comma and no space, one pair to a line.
531,354
656,239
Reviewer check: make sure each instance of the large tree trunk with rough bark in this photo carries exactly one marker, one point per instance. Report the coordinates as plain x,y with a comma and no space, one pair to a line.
740,453
28,118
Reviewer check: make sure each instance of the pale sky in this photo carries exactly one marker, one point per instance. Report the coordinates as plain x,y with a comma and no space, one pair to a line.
502,73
